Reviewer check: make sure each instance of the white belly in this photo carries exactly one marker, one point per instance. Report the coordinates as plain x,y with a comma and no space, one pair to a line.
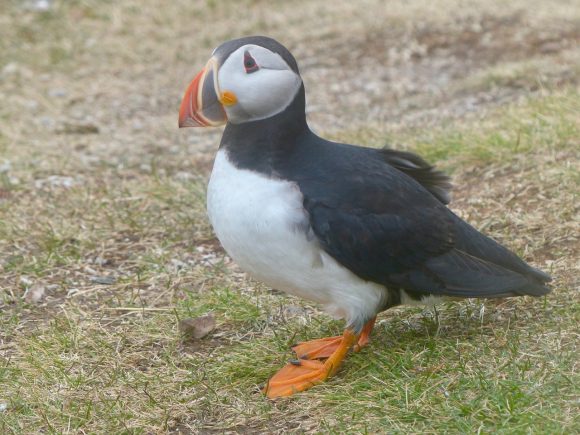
262,225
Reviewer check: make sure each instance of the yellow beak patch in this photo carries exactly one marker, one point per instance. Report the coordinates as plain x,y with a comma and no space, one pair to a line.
228,98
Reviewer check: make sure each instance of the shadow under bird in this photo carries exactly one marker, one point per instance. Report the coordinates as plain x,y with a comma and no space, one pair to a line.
357,230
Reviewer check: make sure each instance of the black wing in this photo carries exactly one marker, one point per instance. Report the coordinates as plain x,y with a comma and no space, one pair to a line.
387,226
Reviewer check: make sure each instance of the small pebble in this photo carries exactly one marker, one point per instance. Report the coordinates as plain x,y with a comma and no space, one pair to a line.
104,280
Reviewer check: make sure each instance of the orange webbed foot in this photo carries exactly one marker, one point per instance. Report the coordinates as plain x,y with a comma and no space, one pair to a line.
325,347
300,375
317,349
296,376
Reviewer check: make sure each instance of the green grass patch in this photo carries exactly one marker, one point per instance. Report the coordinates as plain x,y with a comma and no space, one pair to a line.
111,359
545,125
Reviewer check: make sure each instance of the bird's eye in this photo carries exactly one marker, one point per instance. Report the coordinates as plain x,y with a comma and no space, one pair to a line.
249,63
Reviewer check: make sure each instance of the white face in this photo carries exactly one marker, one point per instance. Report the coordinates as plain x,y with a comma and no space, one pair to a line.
261,81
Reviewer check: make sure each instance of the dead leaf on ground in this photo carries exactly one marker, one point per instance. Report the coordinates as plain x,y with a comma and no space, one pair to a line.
196,328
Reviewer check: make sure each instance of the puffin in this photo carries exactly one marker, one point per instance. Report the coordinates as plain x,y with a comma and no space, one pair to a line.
357,230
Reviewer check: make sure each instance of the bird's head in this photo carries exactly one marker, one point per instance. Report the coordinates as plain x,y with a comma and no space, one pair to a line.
245,80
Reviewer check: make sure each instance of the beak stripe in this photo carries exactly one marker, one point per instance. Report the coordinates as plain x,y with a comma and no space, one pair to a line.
200,106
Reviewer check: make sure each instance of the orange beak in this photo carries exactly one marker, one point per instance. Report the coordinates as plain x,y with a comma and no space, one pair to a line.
201,106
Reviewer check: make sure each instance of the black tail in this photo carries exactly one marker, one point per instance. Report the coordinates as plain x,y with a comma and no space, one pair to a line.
490,270
463,275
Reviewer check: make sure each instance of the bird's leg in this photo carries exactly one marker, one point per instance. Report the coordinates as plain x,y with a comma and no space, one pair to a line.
365,334
324,347
299,375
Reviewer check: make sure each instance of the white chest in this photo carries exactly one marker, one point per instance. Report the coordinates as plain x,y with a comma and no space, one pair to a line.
262,225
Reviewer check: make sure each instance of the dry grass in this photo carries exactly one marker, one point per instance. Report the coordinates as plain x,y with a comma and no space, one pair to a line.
104,243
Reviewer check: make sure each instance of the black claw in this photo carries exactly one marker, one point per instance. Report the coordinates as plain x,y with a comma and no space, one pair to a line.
295,362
